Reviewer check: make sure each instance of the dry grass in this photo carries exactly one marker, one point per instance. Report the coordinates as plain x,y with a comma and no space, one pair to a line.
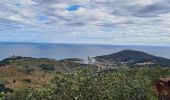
16,78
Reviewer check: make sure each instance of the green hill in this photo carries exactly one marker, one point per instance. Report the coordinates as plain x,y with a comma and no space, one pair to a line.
132,57
18,72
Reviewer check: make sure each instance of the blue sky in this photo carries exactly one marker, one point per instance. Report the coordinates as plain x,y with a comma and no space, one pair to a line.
117,22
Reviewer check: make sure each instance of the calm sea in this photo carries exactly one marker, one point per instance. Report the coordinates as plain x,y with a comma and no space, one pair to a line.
61,51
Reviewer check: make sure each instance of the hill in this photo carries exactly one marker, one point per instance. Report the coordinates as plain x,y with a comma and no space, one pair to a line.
43,64
132,57
18,72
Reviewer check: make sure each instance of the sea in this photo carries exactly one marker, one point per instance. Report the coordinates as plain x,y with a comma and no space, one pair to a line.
63,51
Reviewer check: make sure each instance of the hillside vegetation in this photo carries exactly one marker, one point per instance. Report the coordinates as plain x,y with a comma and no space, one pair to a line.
19,72
87,84
26,78
132,57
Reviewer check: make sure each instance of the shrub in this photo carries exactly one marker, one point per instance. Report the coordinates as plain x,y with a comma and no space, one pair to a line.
47,67
5,89
27,80
2,95
85,84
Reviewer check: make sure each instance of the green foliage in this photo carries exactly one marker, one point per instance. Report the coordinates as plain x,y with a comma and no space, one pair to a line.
27,80
133,57
7,61
31,94
47,67
2,95
5,89
4,62
86,84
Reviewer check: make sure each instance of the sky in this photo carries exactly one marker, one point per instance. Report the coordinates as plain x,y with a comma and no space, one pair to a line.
115,22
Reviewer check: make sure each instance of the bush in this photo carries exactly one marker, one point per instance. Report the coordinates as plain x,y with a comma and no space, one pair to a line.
85,84
47,67
2,95
19,95
5,89
27,80
31,94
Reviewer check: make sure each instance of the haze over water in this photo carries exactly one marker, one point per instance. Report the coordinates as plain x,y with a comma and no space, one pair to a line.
61,51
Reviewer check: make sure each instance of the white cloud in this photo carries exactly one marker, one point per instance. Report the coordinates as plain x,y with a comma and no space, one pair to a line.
97,21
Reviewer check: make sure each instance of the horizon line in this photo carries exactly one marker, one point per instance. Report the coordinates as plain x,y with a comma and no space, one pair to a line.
20,42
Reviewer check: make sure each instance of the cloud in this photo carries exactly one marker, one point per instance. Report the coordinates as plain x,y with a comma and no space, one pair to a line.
153,10
86,21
